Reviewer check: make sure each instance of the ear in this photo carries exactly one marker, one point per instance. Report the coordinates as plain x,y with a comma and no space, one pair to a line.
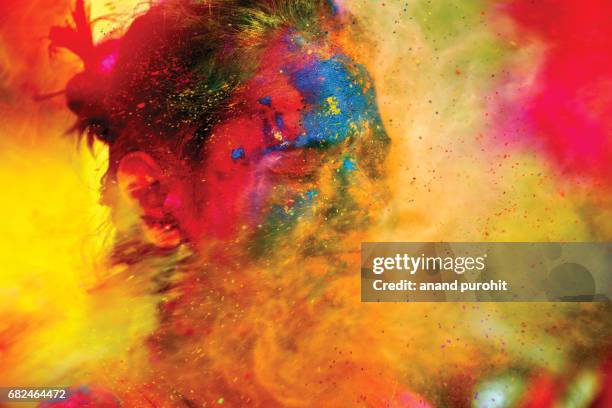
141,181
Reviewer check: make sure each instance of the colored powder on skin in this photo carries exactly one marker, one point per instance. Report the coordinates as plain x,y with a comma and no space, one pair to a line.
341,104
237,153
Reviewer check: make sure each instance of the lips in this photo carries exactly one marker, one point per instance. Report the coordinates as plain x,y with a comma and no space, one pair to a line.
166,222
164,232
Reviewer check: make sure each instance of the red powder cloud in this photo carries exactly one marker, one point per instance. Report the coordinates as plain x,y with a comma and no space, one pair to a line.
571,110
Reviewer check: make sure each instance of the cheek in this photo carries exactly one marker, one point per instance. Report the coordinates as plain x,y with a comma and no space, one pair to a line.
239,174
180,202
234,179
227,176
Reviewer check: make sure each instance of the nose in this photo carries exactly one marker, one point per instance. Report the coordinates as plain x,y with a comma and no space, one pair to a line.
141,182
139,178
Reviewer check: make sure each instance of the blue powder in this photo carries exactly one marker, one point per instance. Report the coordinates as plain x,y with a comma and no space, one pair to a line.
238,153
278,119
277,147
311,194
266,100
332,5
322,82
348,165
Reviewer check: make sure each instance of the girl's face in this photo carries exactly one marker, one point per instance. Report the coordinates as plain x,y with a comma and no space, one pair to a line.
258,167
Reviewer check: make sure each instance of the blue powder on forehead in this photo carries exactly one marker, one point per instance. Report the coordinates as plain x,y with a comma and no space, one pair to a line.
340,103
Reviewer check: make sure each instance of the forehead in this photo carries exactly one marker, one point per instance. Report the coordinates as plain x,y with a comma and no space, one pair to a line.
305,98
307,84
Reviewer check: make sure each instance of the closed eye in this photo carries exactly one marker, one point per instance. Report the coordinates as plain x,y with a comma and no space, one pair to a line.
97,128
